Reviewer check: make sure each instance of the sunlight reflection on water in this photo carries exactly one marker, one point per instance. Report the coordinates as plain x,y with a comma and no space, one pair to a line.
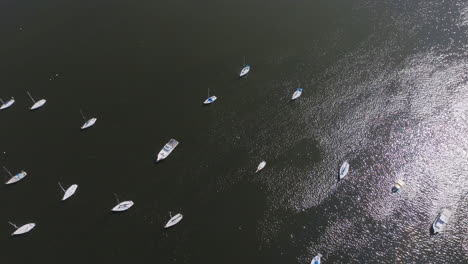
395,113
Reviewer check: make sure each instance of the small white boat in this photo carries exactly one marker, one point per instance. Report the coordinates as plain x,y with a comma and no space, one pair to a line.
397,186
88,123
22,229
15,178
297,93
68,192
7,104
210,99
344,169
122,206
174,220
37,104
260,166
441,221
167,149
316,259
244,70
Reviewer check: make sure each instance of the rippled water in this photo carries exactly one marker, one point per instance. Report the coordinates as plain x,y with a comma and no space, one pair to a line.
395,106
385,87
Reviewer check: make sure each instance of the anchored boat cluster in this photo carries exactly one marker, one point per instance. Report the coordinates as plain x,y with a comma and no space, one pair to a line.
70,191
438,225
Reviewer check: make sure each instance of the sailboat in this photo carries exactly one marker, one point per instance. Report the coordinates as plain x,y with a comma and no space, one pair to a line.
260,166
22,229
88,123
297,93
68,192
344,169
210,99
316,259
244,70
174,220
122,206
37,104
7,104
15,178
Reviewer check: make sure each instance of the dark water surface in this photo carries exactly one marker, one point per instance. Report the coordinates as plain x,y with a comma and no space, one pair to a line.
385,87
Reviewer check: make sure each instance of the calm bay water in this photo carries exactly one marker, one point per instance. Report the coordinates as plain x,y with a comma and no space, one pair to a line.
385,87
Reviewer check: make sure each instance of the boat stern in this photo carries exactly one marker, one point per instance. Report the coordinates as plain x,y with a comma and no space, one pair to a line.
160,157
38,104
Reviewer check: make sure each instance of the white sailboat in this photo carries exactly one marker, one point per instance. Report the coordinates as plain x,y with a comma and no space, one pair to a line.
167,149
174,220
297,93
7,104
210,99
68,192
122,206
260,166
316,259
15,178
22,229
244,70
88,123
344,169
37,104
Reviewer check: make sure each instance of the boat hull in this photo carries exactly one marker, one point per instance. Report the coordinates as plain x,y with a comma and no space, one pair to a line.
17,178
297,94
174,220
344,170
396,188
260,166
244,71
89,123
69,192
440,223
167,149
316,259
24,229
210,100
123,206
7,104
38,104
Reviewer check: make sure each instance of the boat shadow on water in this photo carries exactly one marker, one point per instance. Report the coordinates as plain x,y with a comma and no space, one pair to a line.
156,162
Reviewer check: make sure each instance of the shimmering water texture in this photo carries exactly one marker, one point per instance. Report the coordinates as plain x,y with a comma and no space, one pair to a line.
385,86
396,107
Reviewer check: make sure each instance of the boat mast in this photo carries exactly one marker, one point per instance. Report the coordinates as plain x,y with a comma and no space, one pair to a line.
2,101
244,61
30,97
7,171
61,187
84,118
208,92
117,198
12,224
